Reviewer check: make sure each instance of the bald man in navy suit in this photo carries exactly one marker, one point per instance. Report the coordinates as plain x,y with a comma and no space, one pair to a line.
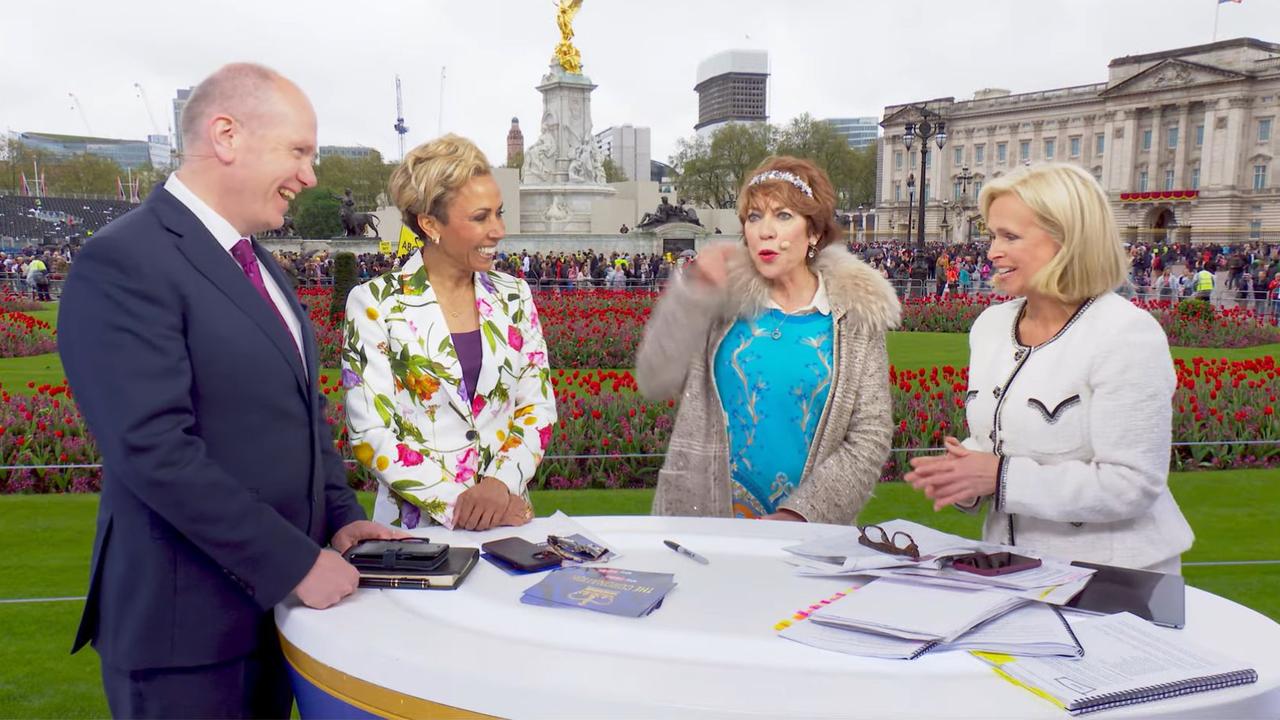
196,370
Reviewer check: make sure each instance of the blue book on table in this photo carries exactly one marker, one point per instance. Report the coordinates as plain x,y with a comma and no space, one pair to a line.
630,593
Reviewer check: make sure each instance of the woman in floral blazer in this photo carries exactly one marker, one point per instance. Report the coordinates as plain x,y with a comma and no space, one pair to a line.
431,436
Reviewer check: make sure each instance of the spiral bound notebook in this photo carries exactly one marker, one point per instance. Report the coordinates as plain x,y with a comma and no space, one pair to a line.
1128,661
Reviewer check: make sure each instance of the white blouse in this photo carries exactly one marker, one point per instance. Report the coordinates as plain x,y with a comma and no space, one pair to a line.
1082,424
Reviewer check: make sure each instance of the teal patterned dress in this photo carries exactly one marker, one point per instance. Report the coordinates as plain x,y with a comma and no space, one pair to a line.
773,373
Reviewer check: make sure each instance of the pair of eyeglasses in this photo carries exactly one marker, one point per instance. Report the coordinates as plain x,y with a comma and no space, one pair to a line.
899,543
571,549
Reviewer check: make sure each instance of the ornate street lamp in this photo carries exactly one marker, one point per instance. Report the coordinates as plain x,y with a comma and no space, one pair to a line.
931,126
965,177
911,198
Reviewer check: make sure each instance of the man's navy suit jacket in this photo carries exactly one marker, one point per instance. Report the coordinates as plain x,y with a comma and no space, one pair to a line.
221,481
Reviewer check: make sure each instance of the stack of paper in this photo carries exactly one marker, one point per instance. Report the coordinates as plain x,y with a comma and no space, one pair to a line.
1032,629
1054,582
1129,662
915,612
608,590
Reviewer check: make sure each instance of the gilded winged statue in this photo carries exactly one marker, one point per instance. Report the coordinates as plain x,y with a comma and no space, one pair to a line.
566,54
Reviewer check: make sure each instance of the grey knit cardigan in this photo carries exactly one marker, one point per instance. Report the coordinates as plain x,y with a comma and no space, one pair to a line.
676,358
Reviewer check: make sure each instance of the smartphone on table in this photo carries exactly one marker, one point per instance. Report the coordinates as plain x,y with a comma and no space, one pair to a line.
992,564
522,554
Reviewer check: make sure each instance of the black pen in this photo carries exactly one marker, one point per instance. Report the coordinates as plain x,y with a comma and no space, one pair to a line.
685,551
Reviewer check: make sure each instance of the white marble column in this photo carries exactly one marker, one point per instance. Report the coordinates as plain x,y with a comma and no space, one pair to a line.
1155,180
1185,138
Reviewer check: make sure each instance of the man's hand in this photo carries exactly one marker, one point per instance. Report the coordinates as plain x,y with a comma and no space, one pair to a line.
354,532
518,512
329,580
481,507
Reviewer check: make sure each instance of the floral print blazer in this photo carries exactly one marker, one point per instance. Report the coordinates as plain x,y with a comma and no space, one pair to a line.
407,411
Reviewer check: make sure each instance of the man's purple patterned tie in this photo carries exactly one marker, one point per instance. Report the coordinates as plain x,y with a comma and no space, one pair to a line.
242,251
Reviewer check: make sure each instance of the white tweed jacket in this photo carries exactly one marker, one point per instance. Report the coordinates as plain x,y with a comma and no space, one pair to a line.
1082,424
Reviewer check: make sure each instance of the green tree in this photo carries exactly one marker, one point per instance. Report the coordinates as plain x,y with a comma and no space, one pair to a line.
710,172
315,214
516,161
367,177
736,150
148,177
613,173
83,174
16,159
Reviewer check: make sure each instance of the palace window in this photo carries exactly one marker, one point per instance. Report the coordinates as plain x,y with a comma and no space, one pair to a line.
1199,136
1168,179
1075,146
1002,152
1099,143
1259,177
1024,150
1171,137
1049,146
1195,177
1142,181
1264,130
1146,139
979,154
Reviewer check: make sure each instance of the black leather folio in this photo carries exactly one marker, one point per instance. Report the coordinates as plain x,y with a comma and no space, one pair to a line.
414,565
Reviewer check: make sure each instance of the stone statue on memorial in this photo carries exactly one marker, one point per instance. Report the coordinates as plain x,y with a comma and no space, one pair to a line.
355,224
663,214
557,212
586,166
566,54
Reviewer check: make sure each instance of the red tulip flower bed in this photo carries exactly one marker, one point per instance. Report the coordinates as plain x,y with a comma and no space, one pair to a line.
608,436
22,335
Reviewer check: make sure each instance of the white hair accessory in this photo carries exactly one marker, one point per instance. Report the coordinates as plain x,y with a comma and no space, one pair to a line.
784,176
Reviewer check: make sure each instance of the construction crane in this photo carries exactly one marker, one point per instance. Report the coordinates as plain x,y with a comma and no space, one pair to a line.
75,105
440,119
401,128
146,105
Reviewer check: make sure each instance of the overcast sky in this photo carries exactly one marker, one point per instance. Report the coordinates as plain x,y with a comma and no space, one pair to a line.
831,58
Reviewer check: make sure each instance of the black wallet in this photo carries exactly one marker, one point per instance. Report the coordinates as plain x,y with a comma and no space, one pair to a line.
407,554
522,554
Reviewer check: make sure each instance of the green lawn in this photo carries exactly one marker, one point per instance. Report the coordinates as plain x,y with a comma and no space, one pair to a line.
48,540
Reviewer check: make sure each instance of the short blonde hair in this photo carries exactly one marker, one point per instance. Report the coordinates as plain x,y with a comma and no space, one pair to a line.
1071,206
430,175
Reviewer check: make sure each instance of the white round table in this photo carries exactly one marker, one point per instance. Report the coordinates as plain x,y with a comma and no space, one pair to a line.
710,651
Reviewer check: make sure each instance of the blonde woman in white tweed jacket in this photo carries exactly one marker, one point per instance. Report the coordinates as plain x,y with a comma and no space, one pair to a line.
1070,389
800,423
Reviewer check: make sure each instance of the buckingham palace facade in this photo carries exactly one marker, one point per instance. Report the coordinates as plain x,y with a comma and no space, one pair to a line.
1184,142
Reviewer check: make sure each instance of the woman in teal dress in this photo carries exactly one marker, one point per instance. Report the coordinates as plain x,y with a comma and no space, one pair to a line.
775,347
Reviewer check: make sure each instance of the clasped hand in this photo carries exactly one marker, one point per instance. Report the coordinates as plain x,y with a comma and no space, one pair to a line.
958,475
489,504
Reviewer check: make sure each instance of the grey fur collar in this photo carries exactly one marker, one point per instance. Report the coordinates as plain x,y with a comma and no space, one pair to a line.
853,287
